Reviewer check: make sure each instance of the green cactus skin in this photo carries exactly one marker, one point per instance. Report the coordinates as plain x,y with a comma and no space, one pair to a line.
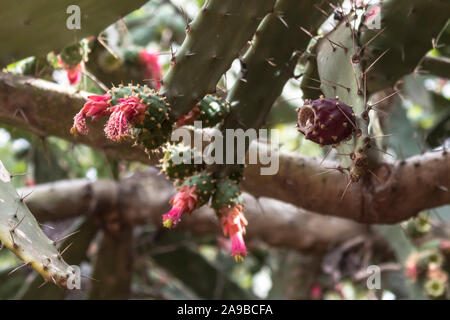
210,47
20,233
407,42
227,193
341,77
157,125
271,60
270,63
181,170
213,110
205,184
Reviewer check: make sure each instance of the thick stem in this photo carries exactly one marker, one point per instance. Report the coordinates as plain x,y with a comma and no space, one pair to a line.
213,41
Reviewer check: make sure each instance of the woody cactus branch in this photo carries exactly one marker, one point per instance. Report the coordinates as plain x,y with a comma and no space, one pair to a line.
214,39
114,266
143,197
390,198
31,104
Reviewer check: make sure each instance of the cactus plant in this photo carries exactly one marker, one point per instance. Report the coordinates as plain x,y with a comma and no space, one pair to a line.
135,111
341,63
211,110
21,233
180,161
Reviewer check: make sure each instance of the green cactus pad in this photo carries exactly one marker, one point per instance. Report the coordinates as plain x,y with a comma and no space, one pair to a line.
227,193
157,125
205,184
185,166
20,232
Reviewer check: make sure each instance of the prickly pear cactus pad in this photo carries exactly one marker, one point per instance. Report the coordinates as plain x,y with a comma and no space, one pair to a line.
21,233
326,121
179,161
134,111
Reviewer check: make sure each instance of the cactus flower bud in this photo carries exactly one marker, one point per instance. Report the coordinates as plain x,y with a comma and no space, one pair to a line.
326,121
233,224
130,110
95,107
185,201
152,68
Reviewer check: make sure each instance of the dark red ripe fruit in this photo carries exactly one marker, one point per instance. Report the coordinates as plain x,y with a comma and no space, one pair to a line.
326,121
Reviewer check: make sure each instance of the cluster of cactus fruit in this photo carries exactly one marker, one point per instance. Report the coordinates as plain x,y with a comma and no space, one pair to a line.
144,115
196,187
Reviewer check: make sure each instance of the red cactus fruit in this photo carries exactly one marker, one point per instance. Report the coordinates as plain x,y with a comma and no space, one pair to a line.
233,224
185,201
97,106
326,121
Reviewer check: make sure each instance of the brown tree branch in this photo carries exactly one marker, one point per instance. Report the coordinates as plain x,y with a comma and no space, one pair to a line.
143,199
396,191
404,188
